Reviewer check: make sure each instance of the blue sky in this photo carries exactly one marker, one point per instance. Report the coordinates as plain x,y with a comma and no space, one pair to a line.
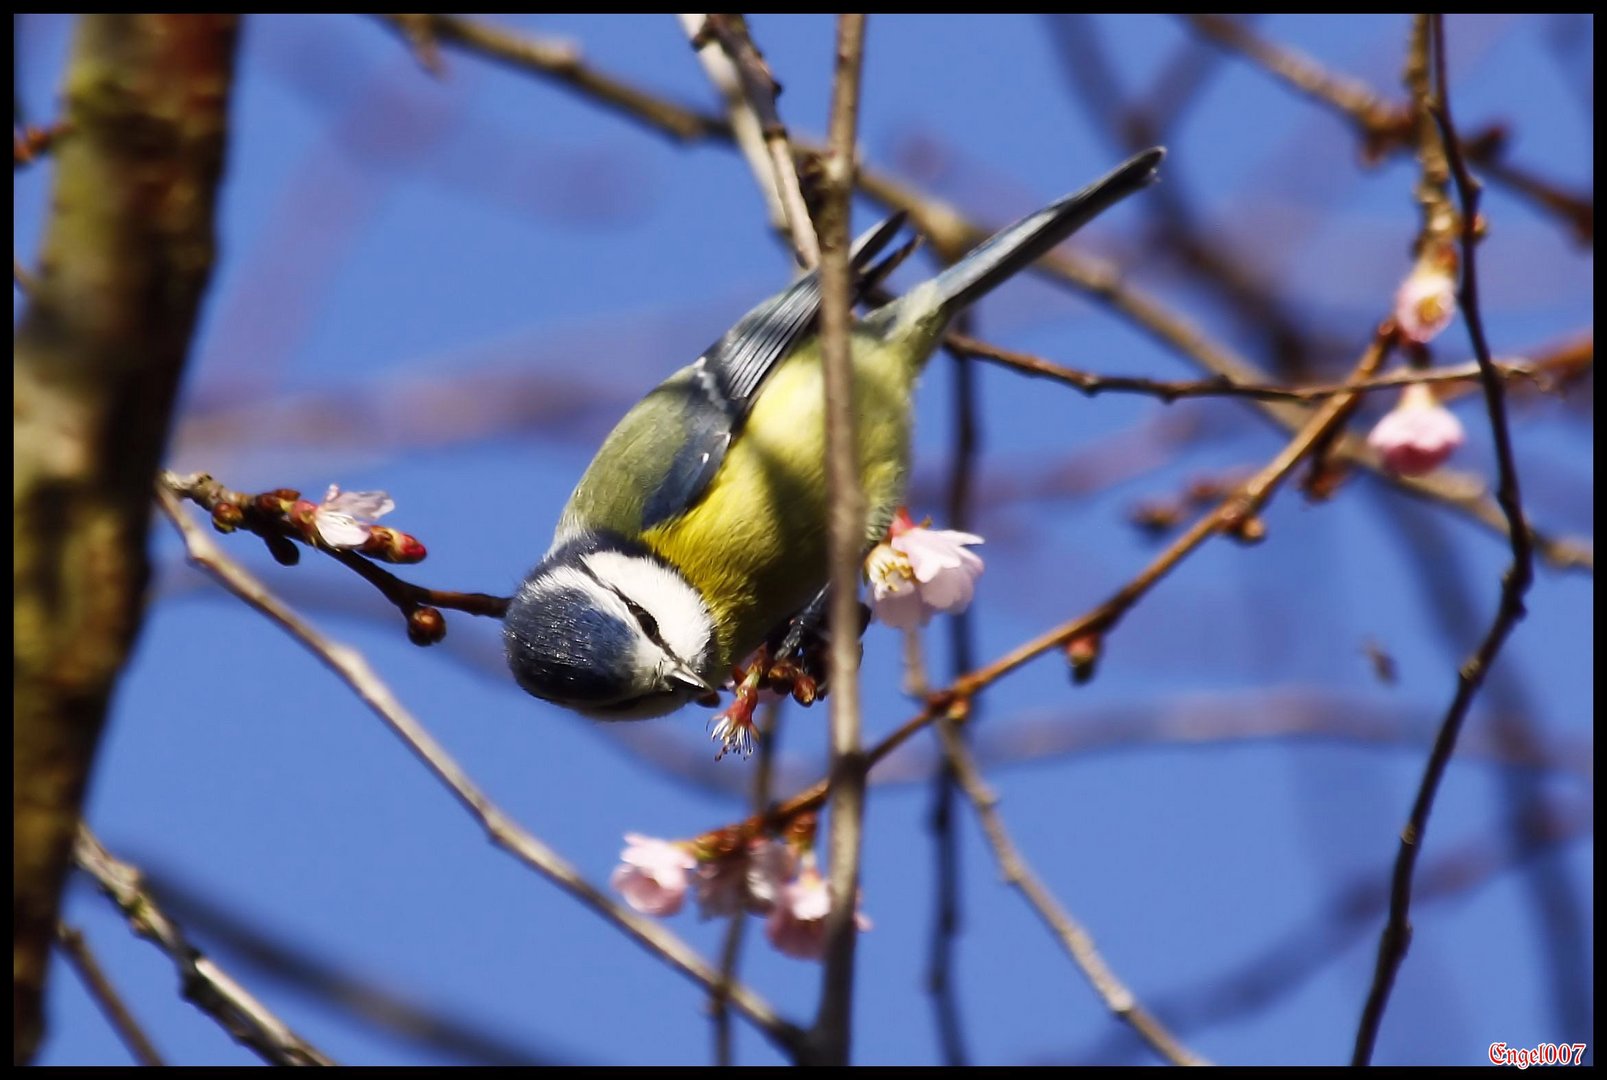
450,289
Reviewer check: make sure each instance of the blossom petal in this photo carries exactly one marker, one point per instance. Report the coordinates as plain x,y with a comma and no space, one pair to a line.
902,611
951,590
644,893
339,530
652,875
368,505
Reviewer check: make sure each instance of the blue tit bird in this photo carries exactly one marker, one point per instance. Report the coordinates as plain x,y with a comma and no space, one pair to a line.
699,529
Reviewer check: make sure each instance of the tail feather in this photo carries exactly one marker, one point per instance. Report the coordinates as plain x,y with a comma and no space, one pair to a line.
1018,245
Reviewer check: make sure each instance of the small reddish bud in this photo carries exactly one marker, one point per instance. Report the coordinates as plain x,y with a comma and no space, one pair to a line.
1322,482
425,626
389,545
1082,653
407,549
805,690
301,514
227,517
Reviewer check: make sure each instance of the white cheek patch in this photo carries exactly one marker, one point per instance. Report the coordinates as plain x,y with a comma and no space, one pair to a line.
683,620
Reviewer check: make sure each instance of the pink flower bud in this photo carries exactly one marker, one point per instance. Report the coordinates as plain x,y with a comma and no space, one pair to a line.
1418,434
1426,300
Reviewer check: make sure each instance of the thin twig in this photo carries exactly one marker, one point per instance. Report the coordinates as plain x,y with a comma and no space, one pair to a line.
830,1037
745,129
1515,583
1236,515
1249,292
758,90
1274,975
82,960
1386,128
277,527
320,977
202,982
1078,942
563,62
952,234
1382,126
503,831
768,728
1170,390
946,919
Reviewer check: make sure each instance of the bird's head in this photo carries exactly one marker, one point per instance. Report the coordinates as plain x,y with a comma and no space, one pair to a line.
604,627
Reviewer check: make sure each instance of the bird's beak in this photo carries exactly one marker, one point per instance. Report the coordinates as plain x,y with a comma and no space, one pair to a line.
684,675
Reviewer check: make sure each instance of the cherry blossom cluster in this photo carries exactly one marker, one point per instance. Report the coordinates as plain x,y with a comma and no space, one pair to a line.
775,879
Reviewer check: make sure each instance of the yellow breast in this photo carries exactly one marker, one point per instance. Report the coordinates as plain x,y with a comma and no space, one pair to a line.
755,546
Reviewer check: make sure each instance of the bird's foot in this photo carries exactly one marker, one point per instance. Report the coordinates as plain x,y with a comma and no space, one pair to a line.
733,727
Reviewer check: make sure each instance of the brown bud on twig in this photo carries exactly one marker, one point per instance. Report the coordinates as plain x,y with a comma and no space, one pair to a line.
227,517
1248,530
425,626
283,551
1082,653
392,546
1156,517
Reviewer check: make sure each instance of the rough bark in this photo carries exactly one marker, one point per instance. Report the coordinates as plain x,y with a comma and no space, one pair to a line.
97,358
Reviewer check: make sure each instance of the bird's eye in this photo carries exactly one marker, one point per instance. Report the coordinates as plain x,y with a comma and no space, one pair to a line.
649,624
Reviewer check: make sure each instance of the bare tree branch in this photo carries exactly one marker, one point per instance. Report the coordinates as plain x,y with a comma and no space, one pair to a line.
97,356
831,1037
202,982
953,234
1515,582
81,958
502,830
744,80
1077,941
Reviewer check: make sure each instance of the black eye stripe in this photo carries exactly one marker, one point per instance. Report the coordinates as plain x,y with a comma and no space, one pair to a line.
643,617
649,623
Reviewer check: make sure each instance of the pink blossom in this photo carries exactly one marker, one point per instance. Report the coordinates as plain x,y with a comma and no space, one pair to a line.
920,571
343,519
1426,300
652,875
746,881
1418,434
797,924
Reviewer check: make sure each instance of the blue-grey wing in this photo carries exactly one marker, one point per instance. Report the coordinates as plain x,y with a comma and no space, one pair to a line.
714,395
